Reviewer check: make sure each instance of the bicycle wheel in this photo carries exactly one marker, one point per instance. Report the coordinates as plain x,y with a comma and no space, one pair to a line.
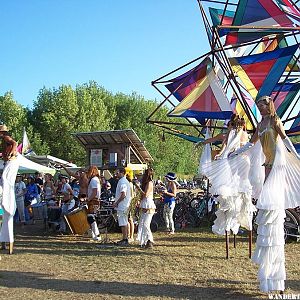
192,218
108,222
291,226
153,226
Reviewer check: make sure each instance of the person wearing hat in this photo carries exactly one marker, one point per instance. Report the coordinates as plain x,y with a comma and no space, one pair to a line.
169,195
8,203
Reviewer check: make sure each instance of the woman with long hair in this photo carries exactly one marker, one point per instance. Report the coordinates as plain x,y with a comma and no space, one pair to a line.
169,196
148,207
93,199
279,190
275,182
234,196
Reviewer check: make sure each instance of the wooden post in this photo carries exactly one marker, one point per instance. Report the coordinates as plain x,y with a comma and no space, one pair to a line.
11,248
227,243
250,243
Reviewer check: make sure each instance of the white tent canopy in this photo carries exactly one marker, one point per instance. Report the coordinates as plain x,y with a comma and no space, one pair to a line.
28,166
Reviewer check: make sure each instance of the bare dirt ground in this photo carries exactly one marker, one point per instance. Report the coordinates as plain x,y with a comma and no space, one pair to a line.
187,265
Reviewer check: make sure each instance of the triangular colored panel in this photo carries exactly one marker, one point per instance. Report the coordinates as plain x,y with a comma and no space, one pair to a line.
182,85
257,72
257,80
216,17
286,94
289,8
256,13
206,100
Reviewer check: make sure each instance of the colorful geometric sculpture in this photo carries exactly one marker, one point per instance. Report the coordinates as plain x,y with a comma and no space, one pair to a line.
201,94
286,94
260,13
261,72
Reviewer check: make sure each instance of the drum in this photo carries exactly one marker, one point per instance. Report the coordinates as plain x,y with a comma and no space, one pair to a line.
53,213
39,211
93,206
77,221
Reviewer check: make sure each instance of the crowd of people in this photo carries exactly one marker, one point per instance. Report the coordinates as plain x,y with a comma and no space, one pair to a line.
85,188
264,167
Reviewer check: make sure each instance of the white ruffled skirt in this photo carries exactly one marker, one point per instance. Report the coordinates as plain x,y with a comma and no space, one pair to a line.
275,194
229,179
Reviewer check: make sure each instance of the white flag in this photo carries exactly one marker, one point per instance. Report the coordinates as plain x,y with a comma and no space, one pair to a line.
26,147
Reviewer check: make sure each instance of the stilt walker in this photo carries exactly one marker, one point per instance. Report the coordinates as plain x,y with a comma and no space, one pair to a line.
278,189
8,202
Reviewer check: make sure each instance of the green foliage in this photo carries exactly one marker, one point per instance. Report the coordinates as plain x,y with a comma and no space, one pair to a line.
59,112
13,115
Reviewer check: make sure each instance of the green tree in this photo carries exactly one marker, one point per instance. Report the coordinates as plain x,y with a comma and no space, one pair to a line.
13,115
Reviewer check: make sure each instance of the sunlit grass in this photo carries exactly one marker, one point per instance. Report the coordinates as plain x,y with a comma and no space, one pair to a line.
189,265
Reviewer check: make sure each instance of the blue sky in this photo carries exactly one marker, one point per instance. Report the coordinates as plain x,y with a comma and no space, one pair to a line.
123,45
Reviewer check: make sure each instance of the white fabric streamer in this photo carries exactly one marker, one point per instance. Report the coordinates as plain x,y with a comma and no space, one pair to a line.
205,155
275,194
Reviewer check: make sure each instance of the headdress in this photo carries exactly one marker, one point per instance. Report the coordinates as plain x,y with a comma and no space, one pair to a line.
267,99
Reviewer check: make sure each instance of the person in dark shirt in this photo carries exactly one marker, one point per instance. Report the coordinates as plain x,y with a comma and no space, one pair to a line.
38,180
113,183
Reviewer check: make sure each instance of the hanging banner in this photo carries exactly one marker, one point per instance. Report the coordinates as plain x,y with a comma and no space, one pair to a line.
96,157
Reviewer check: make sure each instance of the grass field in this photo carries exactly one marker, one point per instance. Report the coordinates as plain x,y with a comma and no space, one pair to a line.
188,265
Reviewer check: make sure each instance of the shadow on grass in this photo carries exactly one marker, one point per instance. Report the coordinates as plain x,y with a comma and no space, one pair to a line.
77,248
293,284
38,281
216,239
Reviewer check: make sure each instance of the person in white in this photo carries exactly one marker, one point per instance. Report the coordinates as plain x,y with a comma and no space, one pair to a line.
93,194
145,236
274,175
122,203
20,191
7,191
275,183
235,201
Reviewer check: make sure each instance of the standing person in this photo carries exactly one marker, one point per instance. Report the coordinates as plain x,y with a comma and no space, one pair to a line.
113,183
39,183
122,203
129,177
31,191
276,186
76,190
93,199
48,192
8,203
20,191
169,195
148,207
82,180
235,201
68,202
49,189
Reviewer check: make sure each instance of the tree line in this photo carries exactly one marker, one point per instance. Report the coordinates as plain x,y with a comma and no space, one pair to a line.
59,112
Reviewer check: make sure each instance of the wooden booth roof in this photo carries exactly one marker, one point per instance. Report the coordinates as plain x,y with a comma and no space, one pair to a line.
104,139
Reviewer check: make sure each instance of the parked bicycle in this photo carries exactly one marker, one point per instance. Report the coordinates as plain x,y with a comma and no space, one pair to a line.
291,224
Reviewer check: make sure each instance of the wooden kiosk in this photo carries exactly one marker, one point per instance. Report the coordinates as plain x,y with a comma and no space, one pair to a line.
109,150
